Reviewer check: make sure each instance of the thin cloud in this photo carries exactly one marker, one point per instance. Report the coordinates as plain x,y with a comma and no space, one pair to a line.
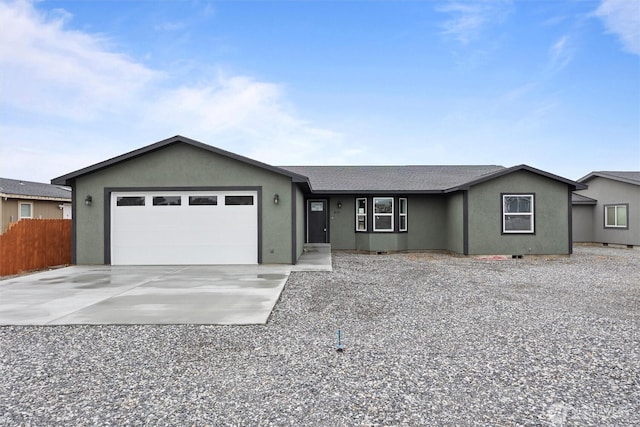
171,26
223,103
50,70
517,94
470,18
555,20
622,18
77,84
247,115
561,54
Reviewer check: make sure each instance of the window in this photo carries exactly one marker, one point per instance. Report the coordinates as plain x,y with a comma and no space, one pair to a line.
615,216
403,214
383,214
130,201
361,214
317,206
26,211
203,200
238,200
167,200
384,217
517,213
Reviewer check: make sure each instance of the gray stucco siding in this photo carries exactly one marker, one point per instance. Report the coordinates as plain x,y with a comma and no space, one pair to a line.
583,223
183,166
381,242
551,216
342,223
454,224
426,217
611,192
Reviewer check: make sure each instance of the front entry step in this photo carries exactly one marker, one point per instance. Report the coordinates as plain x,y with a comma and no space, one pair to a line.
317,247
315,257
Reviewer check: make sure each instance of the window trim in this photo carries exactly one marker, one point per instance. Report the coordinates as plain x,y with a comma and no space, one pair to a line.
363,214
389,214
119,198
239,200
199,199
616,206
155,200
30,204
401,214
532,214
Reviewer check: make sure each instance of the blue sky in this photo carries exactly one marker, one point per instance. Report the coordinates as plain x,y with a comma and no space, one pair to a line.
552,84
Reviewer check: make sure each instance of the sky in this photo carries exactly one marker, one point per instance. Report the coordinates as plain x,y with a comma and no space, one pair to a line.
552,84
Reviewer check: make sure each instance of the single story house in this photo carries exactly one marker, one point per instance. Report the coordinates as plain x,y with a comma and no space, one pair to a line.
180,201
608,211
26,200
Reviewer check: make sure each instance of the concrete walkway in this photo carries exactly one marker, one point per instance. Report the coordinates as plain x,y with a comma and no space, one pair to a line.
221,295
315,257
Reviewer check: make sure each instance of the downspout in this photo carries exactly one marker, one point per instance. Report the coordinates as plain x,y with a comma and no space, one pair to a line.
74,221
294,227
570,222
465,222
106,214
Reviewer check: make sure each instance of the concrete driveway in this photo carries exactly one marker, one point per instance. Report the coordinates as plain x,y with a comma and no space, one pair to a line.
224,295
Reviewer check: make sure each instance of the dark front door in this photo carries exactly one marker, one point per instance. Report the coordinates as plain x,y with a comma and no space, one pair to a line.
317,221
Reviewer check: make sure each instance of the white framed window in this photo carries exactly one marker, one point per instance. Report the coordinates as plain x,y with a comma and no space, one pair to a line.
383,214
25,211
615,216
403,214
518,213
361,214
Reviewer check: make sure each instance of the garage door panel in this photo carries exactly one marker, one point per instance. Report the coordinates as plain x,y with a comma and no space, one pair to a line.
184,234
176,255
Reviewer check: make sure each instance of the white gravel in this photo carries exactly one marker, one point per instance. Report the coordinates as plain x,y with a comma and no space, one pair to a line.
430,340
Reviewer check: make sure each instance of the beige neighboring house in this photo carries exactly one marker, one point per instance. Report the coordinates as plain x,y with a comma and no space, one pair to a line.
25,199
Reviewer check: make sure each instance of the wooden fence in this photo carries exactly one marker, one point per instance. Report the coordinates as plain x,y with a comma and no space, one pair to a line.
32,244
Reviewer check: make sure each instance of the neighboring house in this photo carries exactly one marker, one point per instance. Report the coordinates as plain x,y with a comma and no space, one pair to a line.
180,201
608,211
26,200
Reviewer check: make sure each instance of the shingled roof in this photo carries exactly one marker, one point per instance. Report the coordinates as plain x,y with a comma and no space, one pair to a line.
406,179
33,190
579,199
348,179
630,177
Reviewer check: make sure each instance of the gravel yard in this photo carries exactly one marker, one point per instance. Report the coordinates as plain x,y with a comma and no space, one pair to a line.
430,340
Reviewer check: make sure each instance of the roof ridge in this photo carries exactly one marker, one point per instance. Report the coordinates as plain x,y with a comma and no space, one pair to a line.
629,177
391,166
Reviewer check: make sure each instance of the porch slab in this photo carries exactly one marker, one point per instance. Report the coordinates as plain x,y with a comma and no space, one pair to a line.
315,257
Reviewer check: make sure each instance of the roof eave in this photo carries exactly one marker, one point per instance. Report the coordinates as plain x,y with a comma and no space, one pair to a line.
32,197
593,175
68,178
493,175
375,192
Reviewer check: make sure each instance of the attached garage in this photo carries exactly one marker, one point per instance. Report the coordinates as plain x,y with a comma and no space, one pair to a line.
182,202
184,227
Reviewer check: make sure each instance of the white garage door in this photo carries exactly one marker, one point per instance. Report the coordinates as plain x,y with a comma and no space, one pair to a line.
194,227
